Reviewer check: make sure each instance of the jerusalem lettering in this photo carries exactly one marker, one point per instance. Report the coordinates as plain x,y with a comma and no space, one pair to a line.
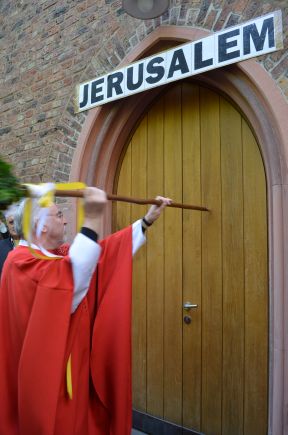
235,44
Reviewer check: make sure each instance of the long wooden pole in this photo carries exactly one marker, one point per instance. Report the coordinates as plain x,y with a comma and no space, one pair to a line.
80,193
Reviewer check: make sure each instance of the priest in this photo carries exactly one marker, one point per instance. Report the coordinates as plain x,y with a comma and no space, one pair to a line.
65,324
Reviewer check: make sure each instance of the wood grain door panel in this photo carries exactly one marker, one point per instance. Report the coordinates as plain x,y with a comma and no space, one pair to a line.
210,375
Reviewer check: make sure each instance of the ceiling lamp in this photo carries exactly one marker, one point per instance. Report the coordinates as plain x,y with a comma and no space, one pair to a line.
145,9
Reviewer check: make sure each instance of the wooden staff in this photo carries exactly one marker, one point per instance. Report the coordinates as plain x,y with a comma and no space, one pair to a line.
80,193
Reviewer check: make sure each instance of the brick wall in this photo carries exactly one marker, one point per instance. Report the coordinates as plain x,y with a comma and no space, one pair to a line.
49,46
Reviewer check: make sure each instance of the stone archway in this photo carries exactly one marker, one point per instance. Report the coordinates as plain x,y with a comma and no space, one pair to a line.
249,86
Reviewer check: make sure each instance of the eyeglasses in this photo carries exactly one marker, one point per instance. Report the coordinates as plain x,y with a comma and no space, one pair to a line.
59,214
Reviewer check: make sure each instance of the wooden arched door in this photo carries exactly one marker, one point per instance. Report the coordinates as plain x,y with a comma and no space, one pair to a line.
209,375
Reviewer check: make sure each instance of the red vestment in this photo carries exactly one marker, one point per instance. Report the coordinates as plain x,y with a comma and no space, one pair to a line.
38,333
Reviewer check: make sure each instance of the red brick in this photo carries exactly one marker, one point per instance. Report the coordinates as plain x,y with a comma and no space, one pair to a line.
44,63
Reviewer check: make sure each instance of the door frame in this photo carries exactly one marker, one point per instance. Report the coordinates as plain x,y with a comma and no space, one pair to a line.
247,85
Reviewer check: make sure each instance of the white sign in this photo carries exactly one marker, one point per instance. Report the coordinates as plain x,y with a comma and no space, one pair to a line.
253,38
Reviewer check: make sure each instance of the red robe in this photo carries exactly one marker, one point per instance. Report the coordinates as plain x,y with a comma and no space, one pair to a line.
38,333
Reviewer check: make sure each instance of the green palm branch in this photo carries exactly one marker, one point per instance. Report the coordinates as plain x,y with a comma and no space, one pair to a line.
10,189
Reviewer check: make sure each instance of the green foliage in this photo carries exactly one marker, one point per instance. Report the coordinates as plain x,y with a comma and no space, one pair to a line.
10,189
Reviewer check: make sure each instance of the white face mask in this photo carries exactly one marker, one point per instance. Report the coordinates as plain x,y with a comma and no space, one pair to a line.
3,228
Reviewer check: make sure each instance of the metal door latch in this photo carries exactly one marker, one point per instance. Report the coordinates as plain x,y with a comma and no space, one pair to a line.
187,306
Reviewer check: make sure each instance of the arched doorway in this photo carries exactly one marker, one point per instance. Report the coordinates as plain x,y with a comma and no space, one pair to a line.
211,373
106,131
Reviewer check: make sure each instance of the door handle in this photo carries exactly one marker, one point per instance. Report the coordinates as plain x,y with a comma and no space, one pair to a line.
187,306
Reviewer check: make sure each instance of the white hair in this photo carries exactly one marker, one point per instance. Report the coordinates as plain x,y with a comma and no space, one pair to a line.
18,216
11,210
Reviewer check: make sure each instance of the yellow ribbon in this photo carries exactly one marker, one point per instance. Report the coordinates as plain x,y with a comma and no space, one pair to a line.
80,208
45,201
27,218
27,215
69,377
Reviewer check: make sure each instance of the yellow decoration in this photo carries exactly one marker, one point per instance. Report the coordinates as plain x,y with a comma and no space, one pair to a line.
69,377
27,230
47,200
80,213
78,185
27,218
70,186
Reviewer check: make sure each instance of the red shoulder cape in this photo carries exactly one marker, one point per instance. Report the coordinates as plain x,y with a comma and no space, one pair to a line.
38,333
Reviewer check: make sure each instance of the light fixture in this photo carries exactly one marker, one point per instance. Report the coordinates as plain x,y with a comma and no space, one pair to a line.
145,9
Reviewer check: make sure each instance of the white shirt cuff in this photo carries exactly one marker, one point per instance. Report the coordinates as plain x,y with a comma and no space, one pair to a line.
138,237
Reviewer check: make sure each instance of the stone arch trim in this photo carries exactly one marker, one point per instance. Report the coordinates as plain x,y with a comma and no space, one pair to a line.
107,129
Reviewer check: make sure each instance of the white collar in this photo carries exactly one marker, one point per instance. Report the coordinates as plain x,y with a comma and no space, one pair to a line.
23,242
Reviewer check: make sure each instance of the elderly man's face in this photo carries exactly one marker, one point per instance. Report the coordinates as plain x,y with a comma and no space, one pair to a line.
10,225
56,226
